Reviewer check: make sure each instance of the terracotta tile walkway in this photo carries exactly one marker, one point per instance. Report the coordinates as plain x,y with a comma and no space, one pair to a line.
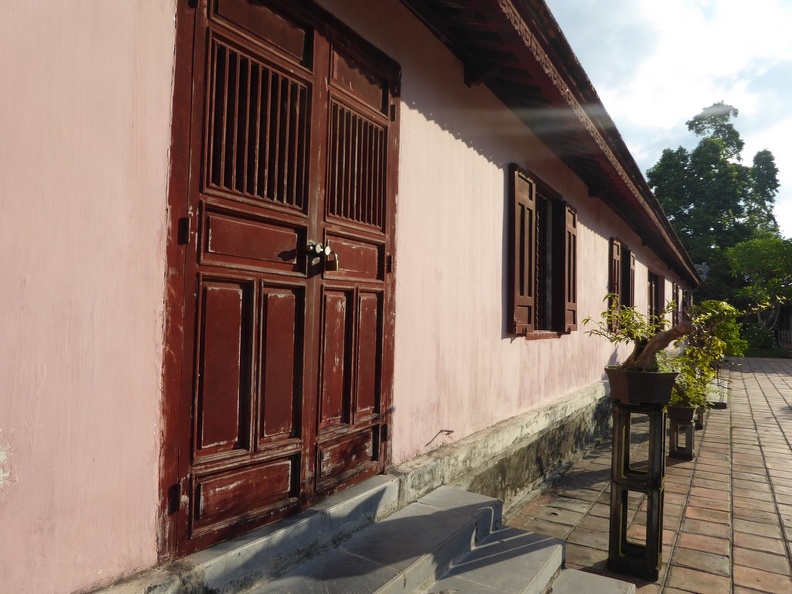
727,513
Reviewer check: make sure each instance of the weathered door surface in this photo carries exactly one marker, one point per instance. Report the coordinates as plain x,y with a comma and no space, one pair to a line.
286,369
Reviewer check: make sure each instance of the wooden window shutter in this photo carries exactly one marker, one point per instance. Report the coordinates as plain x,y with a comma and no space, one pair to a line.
615,271
570,269
522,243
656,295
677,304
628,278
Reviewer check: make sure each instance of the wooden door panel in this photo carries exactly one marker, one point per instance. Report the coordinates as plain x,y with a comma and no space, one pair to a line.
224,498
281,363
348,74
350,317
369,354
264,24
358,257
349,455
334,364
225,343
241,239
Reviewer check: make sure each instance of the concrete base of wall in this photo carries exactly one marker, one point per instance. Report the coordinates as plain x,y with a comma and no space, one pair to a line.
510,459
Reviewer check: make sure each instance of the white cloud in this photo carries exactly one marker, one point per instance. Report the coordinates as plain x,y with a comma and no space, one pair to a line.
657,64
776,139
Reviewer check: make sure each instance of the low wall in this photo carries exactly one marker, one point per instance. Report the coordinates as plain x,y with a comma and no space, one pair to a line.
512,458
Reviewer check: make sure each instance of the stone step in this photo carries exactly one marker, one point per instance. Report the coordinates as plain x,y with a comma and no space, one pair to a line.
449,540
508,561
512,561
402,553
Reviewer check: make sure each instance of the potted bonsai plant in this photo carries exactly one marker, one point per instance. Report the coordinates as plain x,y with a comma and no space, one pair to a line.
639,379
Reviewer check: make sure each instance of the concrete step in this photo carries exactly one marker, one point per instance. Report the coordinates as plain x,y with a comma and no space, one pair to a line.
448,541
401,553
512,561
508,561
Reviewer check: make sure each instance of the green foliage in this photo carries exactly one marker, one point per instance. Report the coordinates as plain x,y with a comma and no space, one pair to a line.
622,324
714,121
719,319
763,188
711,333
764,267
712,200
758,336
714,334
691,388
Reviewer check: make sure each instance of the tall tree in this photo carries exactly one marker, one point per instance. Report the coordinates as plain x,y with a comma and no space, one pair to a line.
761,198
712,199
715,122
764,265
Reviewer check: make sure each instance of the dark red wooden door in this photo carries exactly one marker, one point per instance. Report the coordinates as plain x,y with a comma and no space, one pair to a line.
288,344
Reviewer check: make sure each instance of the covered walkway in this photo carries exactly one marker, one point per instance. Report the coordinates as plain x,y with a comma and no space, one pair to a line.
728,512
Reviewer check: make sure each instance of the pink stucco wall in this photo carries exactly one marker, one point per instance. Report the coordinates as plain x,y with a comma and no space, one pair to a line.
455,369
84,136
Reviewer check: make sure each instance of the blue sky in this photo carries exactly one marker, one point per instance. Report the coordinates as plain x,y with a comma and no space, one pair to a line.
656,64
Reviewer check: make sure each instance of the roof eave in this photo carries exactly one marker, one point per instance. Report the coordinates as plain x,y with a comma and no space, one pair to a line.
517,49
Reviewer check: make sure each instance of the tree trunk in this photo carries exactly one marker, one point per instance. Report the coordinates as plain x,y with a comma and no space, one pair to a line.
644,355
772,319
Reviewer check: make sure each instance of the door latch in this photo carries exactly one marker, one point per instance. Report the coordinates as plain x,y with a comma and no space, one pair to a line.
326,253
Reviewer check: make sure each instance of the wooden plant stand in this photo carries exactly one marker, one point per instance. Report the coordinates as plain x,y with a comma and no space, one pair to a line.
638,559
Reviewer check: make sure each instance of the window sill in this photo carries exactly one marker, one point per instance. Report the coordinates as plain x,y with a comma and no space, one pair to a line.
543,335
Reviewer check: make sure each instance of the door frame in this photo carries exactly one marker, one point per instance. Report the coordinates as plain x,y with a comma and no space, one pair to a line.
181,228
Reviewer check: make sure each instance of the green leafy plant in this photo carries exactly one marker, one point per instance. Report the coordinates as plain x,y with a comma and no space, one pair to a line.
763,266
714,333
758,336
708,333
649,336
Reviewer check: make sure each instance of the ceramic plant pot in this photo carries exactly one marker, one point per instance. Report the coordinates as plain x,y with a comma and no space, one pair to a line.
640,387
680,414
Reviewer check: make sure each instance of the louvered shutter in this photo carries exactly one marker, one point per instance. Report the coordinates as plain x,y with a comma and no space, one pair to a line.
522,193
615,271
661,300
628,278
570,269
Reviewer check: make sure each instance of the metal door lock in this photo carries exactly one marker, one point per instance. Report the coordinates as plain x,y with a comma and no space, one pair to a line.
332,265
318,250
